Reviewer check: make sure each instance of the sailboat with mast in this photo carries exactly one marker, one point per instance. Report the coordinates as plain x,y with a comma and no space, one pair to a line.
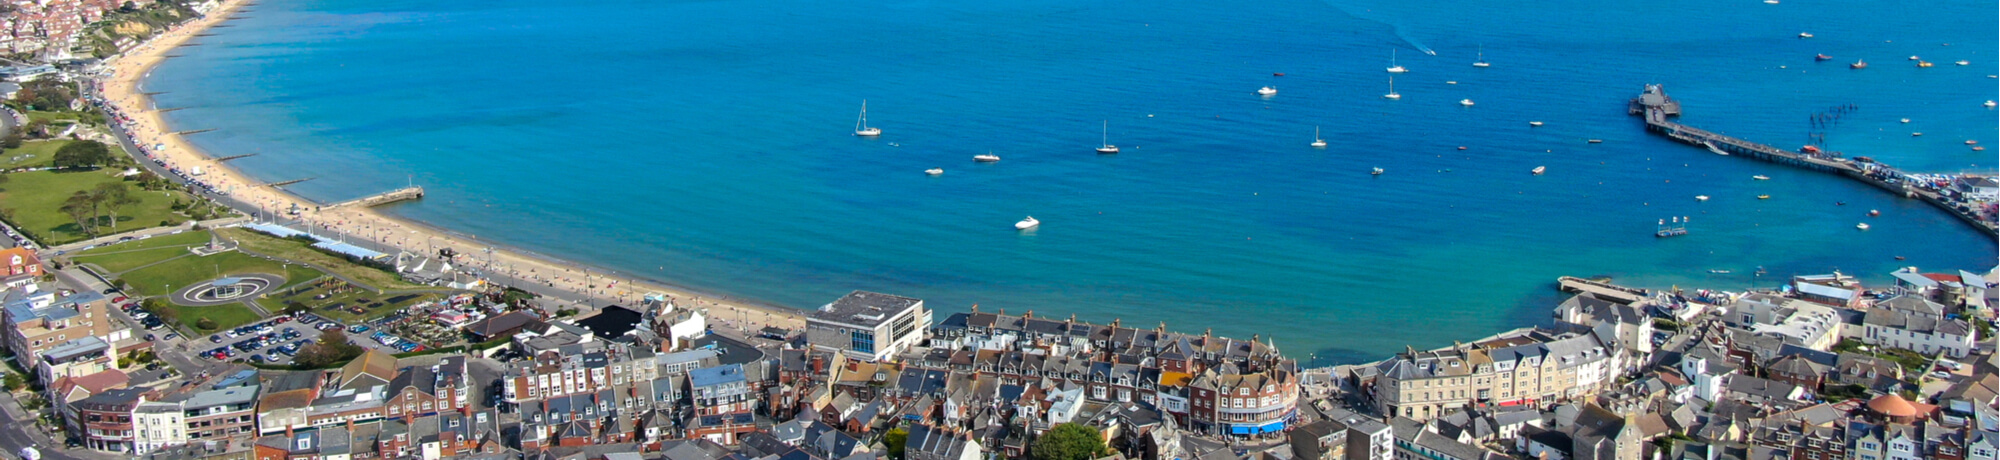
1481,61
1392,89
1106,147
1393,68
1317,142
861,127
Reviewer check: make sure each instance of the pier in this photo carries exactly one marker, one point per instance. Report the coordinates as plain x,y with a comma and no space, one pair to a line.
232,157
285,183
172,109
1606,291
1659,111
392,196
193,131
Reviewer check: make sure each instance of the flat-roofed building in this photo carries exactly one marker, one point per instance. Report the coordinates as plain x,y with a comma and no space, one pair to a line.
869,326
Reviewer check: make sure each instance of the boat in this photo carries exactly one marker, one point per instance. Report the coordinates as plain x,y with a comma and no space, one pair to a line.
1858,64
989,157
1917,134
1481,61
1924,64
1535,124
861,127
1718,271
1971,142
1376,172
1718,150
1906,120
1761,177
934,171
1267,91
1913,57
1465,102
1317,142
1804,35
1027,223
1393,68
1963,62
1979,148
1770,2
1763,197
1595,141
1863,225
1822,57
1106,140
1873,213
1988,104
1279,74
1539,170
1392,89
1701,197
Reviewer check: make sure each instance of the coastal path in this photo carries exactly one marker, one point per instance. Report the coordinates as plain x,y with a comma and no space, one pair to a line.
1659,109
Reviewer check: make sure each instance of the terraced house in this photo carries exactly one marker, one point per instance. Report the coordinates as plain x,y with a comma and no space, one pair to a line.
1527,368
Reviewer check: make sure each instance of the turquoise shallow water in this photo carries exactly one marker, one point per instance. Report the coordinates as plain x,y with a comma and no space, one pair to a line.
707,144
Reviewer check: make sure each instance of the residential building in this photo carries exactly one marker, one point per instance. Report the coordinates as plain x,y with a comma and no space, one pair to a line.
30,330
868,326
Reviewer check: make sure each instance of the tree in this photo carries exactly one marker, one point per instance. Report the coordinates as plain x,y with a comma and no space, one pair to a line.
80,154
159,310
205,324
12,140
114,195
331,349
894,440
1068,441
78,207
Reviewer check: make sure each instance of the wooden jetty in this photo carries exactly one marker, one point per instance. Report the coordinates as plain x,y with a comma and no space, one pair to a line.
232,157
1659,109
194,131
392,196
1606,291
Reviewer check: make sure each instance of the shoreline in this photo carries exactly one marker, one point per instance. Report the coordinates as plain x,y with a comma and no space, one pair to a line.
135,116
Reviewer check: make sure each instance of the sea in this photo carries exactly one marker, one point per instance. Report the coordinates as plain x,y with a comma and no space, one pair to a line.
709,144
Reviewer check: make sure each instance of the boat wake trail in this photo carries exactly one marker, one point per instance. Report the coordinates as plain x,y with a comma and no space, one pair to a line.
1395,29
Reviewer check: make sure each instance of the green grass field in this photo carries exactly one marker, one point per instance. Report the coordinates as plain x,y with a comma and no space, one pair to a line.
225,316
374,305
128,255
37,196
179,273
300,251
34,153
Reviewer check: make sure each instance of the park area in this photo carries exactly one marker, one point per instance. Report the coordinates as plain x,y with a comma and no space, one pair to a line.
303,251
37,198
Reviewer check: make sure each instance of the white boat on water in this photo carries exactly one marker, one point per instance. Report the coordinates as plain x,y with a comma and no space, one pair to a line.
1267,91
1963,62
1317,142
1376,172
1393,68
1701,197
1107,148
861,127
1906,120
989,157
1481,61
1539,170
1465,102
934,171
1862,226
1535,124
1761,177
1988,104
1392,89
1804,35
1027,223
1770,2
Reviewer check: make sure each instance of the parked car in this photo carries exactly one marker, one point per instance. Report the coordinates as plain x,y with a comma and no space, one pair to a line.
357,329
171,336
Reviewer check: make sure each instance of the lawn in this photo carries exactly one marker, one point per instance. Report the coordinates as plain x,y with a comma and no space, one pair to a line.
226,316
37,197
154,280
61,120
31,154
375,305
125,256
298,250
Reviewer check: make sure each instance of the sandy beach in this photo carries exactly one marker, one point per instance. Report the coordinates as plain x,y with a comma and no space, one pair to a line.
149,130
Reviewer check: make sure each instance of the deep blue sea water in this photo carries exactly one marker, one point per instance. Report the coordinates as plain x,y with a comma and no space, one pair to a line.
707,143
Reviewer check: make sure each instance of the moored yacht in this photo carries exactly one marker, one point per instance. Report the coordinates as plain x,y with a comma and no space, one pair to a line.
1267,91
989,157
1317,142
861,127
1393,68
934,171
1027,223
1106,147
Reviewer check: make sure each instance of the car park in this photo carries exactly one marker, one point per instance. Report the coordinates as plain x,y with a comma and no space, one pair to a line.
215,338
357,329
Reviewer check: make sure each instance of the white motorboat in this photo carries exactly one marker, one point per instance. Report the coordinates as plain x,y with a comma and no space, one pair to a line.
1804,35
1535,124
1465,102
861,127
1906,120
1393,68
1862,226
1917,134
1317,142
1963,62
1267,91
1107,148
1914,58
989,157
1988,104
1481,61
1027,223
1376,172
1392,89
1539,170
1701,197
934,171
1761,177
1770,2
